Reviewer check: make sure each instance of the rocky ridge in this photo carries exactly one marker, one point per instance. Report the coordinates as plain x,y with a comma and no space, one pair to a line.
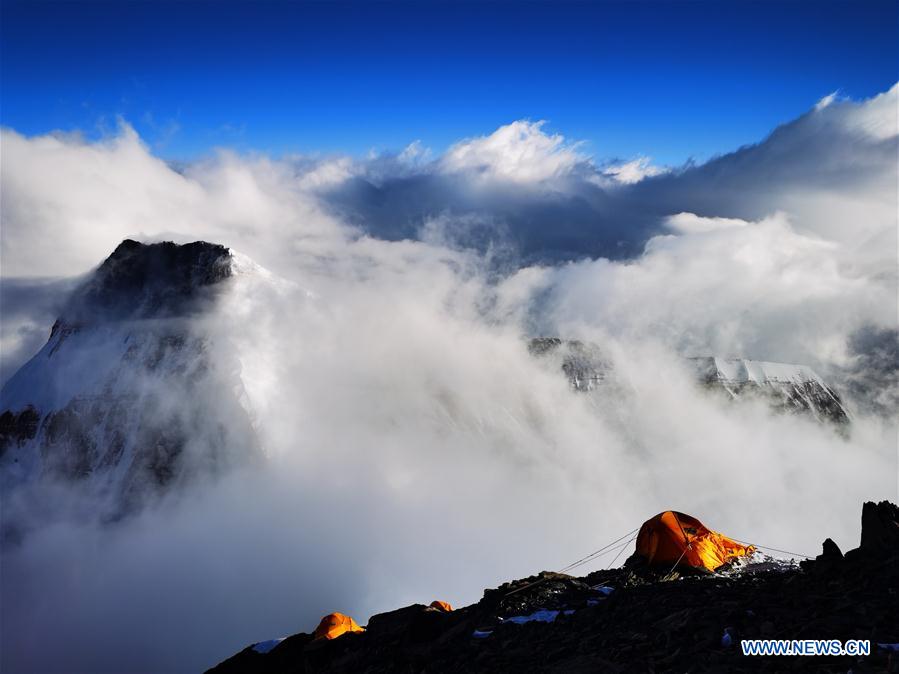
633,620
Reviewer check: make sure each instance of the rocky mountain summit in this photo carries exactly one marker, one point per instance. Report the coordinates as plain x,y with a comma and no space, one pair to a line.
633,619
129,394
144,281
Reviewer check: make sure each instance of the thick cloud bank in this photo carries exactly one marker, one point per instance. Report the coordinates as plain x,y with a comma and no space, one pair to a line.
416,450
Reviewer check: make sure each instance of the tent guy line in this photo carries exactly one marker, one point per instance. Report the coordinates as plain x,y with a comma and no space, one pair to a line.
592,555
620,550
768,547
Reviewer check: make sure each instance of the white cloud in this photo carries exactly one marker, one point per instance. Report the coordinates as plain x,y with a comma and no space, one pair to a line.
757,289
826,100
519,152
877,117
67,203
690,223
414,153
327,173
64,200
633,171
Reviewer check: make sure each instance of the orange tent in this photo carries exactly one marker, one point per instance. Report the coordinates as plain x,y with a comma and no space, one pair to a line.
334,625
441,605
674,539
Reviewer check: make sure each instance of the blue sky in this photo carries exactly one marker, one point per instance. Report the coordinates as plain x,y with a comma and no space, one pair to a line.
672,80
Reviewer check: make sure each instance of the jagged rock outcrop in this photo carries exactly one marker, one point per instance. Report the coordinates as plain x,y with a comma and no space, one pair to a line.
581,362
880,528
130,395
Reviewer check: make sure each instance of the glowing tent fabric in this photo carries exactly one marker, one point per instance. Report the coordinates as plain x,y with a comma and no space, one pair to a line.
334,625
672,538
441,605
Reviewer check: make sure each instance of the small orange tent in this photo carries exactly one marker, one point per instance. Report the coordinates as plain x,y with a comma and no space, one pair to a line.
334,625
441,605
674,539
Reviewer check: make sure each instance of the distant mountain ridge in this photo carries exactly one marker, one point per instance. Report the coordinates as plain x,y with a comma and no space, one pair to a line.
785,387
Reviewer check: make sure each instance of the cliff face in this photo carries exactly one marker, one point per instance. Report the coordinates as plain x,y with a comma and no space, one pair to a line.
144,281
628,620
129,396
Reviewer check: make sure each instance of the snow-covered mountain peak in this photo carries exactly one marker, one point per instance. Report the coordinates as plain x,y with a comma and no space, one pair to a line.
131,393
788,387
742,370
